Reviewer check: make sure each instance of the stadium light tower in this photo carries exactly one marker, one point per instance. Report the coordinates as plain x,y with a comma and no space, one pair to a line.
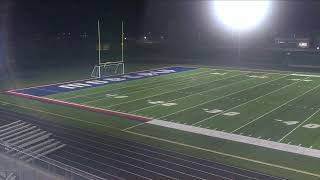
240,15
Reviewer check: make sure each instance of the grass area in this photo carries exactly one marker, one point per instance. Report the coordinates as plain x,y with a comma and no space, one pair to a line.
210,98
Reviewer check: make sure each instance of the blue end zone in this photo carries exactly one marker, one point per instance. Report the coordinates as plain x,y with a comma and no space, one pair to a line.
89,83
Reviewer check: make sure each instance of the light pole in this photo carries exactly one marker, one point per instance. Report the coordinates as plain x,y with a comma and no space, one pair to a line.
239,47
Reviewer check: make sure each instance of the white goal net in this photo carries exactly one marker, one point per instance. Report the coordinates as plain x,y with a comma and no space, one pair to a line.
108,69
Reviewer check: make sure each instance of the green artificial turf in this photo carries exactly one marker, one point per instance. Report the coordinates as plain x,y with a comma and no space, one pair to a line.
272,106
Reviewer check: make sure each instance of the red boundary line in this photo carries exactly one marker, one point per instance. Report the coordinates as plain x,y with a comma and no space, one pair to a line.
94,109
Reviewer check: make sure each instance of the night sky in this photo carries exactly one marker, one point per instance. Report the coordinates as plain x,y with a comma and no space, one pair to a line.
173,17
74,15
140,16
180,21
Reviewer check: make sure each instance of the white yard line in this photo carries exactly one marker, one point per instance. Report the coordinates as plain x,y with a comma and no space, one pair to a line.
220,97
146,97
176,83
298,126
275,109
276,90
185,75
239,138
182,76
193,94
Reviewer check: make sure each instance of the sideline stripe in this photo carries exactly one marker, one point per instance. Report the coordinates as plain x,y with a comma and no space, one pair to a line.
240,138
59,115
226,154
99,110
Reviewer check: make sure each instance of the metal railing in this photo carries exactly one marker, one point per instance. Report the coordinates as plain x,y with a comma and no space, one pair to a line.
53,167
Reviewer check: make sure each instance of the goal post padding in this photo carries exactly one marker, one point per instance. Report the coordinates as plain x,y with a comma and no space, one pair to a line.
108,69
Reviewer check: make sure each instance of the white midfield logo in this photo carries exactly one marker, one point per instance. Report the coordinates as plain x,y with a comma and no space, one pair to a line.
116,79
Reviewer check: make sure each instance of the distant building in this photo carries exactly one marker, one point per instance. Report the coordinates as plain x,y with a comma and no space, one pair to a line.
72,35
84,35
293,42
63,35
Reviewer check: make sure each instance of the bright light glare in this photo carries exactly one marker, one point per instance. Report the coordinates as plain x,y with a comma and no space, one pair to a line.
241,15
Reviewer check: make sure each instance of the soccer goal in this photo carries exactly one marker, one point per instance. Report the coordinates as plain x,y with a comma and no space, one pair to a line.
109,68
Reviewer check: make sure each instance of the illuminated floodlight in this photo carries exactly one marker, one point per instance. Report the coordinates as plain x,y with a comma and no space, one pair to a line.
241,15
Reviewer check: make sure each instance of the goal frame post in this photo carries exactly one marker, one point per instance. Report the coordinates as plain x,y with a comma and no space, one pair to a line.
101,70
97,69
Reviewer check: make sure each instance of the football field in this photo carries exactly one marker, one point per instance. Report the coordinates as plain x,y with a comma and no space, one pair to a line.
267,121
269,109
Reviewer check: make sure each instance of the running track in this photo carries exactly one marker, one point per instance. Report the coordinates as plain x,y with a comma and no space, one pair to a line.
113,158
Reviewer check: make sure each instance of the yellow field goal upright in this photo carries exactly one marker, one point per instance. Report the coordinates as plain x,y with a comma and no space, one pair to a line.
109,68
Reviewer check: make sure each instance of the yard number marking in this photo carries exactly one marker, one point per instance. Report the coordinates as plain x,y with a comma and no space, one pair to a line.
308,126
115,96
312,126
261,77
305,80
163,103
217,73
216,111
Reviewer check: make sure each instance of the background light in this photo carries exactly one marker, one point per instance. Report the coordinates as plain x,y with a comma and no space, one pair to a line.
241,15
